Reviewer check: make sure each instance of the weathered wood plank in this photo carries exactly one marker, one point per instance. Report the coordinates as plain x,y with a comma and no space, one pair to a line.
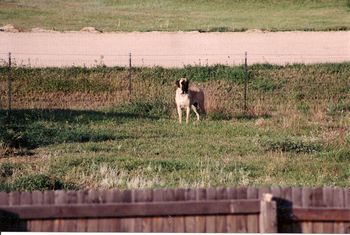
4,198
25,199
210,220
143,224
112,197
60,200
339,202
306,202
82,198
220,221
190,221
296,202
107,224
37,199
346,227
268,215
179,226
138,197
253,220
168,221
14,199
200,221
317,201
241,220
297,199
72,199
263,191
231,220
93,198
48,199
127,224
157,222
276,191
317,214
328,203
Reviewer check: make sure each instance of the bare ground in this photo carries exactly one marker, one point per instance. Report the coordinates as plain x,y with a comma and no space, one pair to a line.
173,49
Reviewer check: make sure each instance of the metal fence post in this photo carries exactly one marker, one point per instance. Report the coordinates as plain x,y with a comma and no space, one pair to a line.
245,81
129,77
9,93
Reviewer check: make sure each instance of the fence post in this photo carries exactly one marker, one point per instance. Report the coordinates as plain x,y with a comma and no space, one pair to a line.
9,93
129,77
268,214
245,81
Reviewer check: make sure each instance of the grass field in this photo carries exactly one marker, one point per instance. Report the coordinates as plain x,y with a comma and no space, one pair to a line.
166,15
296,131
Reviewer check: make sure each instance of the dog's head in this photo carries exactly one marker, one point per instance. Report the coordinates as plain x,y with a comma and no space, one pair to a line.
183,84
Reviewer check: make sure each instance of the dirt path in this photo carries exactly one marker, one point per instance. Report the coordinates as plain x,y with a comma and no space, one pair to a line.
174,49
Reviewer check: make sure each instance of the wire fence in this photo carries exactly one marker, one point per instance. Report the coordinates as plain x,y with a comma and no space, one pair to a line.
165,60
10,93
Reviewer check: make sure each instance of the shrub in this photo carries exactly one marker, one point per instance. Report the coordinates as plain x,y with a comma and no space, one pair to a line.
15,138
6,169
39,182
290,145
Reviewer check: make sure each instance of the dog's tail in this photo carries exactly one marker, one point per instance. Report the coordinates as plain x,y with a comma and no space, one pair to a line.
201,105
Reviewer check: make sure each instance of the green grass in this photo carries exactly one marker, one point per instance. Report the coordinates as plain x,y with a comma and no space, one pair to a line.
160,153
296,131
166,15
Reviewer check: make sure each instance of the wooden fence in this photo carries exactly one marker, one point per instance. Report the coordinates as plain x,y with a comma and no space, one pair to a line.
310,210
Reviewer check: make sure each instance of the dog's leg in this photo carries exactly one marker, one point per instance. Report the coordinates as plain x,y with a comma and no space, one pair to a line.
179,112
188,114
195,110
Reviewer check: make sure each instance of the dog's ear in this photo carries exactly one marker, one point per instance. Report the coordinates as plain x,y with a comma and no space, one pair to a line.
186,85
177,82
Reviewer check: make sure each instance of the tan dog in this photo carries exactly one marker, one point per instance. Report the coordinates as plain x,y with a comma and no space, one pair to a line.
188,98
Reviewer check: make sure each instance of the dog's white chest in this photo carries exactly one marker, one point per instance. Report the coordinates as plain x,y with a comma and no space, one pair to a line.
182,100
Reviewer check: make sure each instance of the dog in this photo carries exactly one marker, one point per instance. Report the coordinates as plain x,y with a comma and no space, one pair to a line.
187,98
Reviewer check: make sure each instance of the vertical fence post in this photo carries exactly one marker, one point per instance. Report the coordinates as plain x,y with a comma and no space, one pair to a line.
245,81
129,77
9,93
268,214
